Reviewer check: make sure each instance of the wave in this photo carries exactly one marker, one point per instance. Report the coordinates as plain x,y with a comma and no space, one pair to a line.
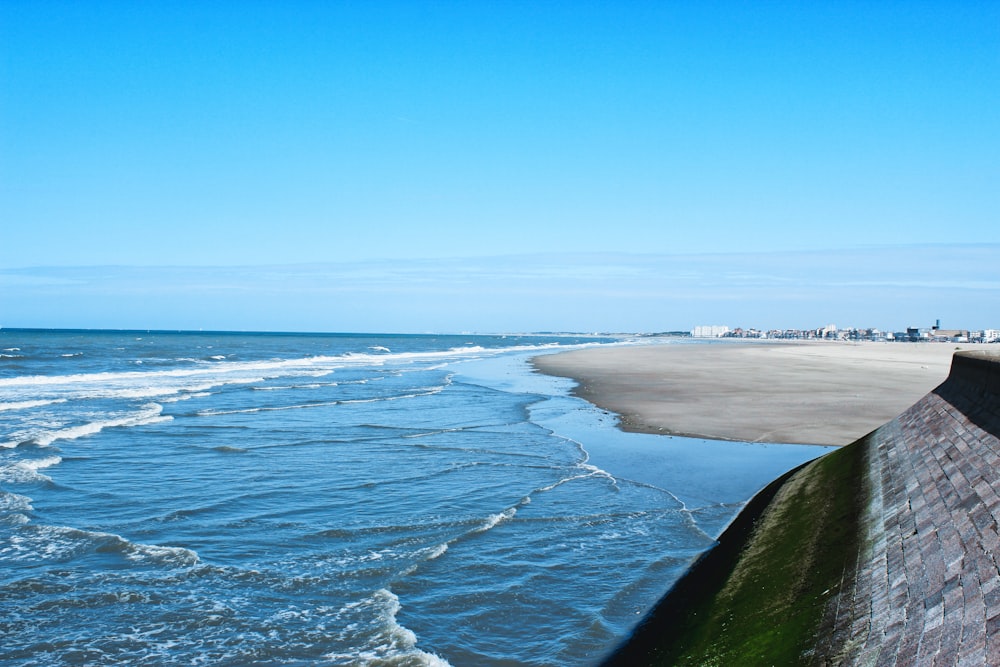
251,411
320,363
149,414
14,509
162,382
62,543
417,393
495,520
27,471
383,640
38,464
185,397
437,551
311,385
26,405
492,521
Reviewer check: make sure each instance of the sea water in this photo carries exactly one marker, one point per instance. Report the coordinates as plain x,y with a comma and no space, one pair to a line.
238,499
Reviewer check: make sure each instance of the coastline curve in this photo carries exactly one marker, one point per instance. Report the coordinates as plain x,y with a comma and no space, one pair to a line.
883,552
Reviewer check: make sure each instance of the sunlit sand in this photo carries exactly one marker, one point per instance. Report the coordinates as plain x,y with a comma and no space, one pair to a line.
825,393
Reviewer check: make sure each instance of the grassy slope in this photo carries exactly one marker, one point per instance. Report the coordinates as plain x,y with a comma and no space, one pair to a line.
761,601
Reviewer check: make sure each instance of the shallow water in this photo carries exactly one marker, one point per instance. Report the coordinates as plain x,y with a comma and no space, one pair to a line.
187,498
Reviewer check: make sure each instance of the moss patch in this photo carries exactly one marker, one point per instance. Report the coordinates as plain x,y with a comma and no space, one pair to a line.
760,601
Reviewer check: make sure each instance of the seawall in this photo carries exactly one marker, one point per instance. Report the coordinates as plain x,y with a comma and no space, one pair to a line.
885,552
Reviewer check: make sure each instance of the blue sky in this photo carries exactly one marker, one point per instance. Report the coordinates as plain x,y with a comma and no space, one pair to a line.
499,165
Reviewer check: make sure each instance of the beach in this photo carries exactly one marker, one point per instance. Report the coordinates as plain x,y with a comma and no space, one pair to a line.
803,392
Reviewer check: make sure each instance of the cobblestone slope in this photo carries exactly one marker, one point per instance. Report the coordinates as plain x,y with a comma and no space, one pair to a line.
926,586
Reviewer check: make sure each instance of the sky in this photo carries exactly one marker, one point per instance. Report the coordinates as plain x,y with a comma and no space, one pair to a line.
499,166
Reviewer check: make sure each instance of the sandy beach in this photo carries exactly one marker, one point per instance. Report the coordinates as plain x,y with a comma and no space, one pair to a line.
823,393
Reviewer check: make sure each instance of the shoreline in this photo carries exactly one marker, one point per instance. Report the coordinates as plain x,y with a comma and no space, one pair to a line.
794,392
796,578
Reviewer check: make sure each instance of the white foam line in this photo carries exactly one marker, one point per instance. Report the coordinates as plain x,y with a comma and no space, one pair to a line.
281,408
27,471
496,519
314,385
349,401
565,480
318,365
593,470
58,540
426,391
439,432
438,551
151,415
38,464
491,522
389,642
14,502
25,405
13,508
185,397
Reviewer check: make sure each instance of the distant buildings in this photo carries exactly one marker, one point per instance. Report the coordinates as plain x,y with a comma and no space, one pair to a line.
714,331
831,332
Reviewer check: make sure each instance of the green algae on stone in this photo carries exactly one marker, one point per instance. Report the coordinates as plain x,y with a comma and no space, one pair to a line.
769,601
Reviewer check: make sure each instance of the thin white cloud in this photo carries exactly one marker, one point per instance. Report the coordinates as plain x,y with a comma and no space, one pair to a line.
883,287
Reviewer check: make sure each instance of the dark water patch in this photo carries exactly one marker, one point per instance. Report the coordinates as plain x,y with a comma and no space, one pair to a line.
229,449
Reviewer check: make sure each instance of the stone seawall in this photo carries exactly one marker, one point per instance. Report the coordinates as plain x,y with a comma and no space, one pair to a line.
898,562
926,585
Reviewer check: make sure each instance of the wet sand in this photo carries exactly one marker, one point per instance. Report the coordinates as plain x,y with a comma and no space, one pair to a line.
823,393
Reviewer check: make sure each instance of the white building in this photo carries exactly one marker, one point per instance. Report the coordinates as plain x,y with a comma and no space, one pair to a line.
709,331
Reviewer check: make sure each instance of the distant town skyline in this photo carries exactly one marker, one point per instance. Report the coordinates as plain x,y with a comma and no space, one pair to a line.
832,332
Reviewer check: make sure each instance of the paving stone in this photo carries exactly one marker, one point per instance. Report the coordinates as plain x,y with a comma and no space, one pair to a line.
972,658
926,590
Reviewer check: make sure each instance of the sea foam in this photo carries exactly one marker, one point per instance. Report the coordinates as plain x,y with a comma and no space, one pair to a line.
386,641
147,414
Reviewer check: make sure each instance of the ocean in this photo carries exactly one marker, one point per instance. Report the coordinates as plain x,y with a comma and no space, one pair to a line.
304,499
